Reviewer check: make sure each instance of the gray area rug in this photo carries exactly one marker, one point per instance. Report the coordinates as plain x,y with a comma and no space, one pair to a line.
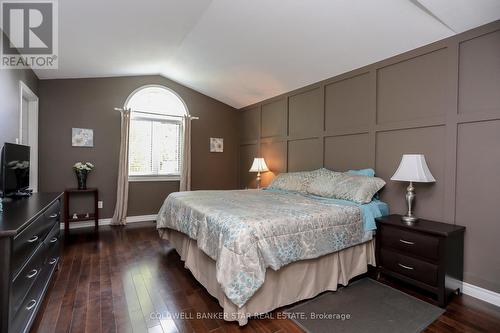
364,306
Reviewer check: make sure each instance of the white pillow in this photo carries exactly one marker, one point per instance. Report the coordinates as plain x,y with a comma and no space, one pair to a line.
295,181
339,185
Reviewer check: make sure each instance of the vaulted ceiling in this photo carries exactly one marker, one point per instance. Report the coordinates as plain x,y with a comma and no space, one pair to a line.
241,52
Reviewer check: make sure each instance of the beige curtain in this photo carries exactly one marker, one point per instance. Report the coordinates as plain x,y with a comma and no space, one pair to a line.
120,214
185,184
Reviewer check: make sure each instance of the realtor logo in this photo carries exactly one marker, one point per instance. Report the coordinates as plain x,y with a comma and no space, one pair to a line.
30,34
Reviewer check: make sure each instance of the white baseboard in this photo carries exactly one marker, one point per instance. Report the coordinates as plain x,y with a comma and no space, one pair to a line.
481,293
141,218
130,219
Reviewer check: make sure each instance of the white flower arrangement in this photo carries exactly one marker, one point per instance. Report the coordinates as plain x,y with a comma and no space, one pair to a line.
83,166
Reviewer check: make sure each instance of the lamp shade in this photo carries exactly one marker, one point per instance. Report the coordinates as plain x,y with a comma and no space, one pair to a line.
259,165
413,168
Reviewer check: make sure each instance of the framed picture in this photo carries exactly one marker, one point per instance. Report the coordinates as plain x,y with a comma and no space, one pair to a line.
82,137
216,145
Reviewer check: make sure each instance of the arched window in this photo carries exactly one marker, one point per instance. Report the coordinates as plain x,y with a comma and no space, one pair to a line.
156,132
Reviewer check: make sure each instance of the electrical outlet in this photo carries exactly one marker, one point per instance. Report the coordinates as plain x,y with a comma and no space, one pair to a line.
99,204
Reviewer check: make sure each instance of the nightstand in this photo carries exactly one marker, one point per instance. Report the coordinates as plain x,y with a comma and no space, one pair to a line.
80,217
427,254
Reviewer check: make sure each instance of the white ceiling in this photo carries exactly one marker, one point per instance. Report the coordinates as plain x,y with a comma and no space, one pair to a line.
241,52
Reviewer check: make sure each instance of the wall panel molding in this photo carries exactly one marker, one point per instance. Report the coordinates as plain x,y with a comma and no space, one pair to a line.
338,157
273,118
401,86
250,124
479,116
305,113
347,103
431,142
409,124
305,154
479,66
275,154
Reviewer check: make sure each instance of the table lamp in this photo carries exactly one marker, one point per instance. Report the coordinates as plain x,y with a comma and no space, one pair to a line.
412,168
258,165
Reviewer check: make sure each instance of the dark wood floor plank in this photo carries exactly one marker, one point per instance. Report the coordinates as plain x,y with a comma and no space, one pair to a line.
122,318
160,307
144,300
67,305
108,323
206,317
115,280
82,294
93,317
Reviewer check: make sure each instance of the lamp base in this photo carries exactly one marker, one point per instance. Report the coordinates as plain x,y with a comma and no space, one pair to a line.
409,219
410,196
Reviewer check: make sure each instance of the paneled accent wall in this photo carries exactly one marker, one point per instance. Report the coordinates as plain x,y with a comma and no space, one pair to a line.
442,100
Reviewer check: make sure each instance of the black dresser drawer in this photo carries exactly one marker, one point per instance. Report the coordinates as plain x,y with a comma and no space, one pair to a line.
52,258
53,236
28,240
415,269
413,243
27,277
53,212
27,310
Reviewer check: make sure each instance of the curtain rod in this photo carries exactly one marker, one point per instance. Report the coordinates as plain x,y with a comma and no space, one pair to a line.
156,114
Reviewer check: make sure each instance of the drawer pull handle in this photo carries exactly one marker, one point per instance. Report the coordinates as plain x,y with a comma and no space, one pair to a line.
32,273
31,304
53,240
53,216
406,242
52,261
405,267
33,239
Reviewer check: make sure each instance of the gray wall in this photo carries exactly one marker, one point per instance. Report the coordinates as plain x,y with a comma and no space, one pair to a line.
9,100
90,103
442,100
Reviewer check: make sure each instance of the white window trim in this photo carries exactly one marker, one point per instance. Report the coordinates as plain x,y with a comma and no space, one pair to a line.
159,178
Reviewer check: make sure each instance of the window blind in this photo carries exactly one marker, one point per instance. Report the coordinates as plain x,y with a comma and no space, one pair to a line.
155,147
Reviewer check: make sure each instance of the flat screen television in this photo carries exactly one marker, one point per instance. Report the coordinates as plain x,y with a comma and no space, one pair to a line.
14,170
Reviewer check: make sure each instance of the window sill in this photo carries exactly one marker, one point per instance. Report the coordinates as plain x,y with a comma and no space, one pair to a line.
154,179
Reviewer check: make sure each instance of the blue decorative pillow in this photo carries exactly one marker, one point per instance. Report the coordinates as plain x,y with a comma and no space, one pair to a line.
362,172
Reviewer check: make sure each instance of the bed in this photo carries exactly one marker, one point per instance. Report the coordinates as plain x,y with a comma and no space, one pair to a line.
257,250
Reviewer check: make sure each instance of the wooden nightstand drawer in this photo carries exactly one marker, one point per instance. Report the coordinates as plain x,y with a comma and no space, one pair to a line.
413,268
410,242
426,254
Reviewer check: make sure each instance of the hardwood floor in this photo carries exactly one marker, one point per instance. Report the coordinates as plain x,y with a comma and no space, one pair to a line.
129,280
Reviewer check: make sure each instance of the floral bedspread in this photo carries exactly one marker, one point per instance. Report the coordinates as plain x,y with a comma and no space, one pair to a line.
246,231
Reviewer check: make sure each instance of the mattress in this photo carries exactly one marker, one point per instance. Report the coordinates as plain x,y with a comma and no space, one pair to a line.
248,231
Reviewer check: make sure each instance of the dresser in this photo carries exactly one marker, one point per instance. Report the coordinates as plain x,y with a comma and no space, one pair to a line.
29,255
427,254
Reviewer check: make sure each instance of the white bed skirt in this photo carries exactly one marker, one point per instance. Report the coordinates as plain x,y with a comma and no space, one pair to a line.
295,282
